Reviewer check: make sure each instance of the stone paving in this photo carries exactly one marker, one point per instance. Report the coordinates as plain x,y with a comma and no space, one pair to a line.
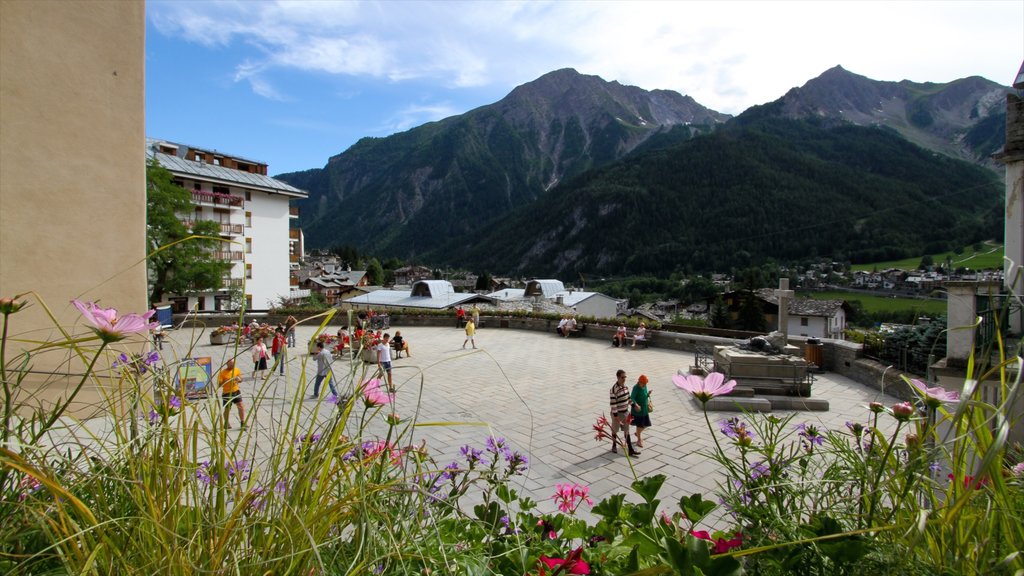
540,392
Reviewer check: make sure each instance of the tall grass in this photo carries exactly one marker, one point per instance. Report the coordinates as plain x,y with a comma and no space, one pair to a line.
165,488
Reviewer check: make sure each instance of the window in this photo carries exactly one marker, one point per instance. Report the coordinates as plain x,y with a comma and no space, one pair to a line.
248,301
248,245
248,219
221,190
248,196
199,157
216,161
248,271
803,321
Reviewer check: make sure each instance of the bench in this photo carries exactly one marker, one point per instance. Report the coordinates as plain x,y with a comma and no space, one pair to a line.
645,342
578,332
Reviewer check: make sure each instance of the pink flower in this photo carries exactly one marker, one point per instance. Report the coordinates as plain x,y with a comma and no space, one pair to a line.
571,564
902,411
934,397
571,496
374,395
706,388
1018,469
111,328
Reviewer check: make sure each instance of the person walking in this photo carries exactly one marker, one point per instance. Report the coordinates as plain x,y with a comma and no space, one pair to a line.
476,315
640,412
259,357
230,378
279,348
384,359
470,331
323,370
619,398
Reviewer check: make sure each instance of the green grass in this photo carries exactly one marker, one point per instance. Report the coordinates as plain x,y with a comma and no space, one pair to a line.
873,303
990,257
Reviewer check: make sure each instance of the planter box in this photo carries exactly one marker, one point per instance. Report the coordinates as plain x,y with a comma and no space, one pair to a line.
227,338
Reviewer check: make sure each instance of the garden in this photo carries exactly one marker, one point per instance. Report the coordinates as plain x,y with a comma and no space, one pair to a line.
929,487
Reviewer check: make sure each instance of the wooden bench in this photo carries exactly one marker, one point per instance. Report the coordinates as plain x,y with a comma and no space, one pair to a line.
578,332
648,337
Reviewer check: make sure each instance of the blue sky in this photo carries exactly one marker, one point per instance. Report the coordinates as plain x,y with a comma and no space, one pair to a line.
292,83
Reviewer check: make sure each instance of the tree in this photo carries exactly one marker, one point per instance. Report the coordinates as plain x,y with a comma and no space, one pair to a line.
483,282
180,260
751,315
926,262
374,272
720,314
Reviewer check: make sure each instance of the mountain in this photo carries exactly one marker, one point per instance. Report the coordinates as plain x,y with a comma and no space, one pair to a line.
759,188
411,192
965,118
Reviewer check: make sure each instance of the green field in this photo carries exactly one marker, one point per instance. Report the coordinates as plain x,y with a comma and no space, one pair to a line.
874,303
990,257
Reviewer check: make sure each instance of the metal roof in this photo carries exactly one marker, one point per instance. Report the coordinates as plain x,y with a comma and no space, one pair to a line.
215,173
404,299
547,288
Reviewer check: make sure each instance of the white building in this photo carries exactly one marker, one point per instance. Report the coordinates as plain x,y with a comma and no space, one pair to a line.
254,213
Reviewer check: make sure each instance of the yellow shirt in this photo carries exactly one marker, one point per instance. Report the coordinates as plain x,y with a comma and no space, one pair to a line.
470,329
229,379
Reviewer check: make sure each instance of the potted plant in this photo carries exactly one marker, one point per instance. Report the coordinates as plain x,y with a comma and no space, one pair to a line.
223,335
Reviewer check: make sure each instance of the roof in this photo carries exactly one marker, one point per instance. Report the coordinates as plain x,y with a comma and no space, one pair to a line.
545,288
213,172
507,294
575,297
433,294
804,306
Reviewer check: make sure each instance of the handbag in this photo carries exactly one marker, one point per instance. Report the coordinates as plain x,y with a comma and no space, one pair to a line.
650,403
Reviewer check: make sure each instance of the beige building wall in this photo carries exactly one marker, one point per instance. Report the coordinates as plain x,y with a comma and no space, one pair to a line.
72,160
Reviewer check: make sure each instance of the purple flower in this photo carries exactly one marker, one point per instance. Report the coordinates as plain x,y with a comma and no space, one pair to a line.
472,454
706,388
934,467
738,431
810,434
175,402
934,397
153,417
758,470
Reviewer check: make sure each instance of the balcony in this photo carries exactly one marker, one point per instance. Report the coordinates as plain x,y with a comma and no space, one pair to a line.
227,254
216,199
293,211
226,229
232,282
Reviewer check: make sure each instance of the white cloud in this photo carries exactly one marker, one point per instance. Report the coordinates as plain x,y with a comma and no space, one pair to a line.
727,55
415,115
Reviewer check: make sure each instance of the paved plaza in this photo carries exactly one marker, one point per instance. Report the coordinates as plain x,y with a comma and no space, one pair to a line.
540,392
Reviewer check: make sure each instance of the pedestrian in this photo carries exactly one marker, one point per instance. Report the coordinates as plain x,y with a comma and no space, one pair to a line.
323,370
289,330
384,359
470,331
476,315
619,397
279,348
460,317
230,378
259,357
640,409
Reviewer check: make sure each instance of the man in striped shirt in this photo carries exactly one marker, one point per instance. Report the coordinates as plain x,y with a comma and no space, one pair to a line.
619,397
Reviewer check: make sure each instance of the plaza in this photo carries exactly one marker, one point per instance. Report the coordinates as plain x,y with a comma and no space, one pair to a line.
540,392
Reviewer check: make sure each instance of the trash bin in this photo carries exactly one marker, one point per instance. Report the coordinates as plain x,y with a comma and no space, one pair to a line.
814,353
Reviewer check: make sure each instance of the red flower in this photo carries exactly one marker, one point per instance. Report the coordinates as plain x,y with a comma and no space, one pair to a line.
720,545
969,480
571,564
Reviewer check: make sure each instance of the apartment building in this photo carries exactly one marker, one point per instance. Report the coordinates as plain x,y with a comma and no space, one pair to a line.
254,213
